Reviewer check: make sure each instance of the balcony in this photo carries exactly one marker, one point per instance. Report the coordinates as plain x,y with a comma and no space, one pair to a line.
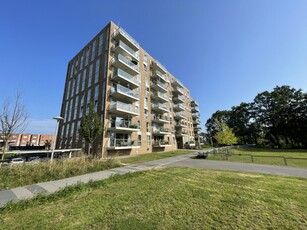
179,115
121,34
160,119
177,90
123,109
160,143
158,66
195,115
123,126
178,99
159,107
125,78
179,107
159,86
122,93
125,50
125,64
196,122
117,144
193,103
160,97
176,82
181,134
161,131
194,109
158,75
181,124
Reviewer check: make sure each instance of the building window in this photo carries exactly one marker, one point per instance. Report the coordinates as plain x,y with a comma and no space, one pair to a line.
90,76
148,140
97,70
93,50
100,44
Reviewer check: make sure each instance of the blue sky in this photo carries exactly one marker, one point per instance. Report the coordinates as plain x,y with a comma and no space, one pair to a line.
224,51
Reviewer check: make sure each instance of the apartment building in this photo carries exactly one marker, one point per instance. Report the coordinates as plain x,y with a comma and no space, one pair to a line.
144,108
27,139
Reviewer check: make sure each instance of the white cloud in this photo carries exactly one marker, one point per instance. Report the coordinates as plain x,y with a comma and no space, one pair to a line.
44,126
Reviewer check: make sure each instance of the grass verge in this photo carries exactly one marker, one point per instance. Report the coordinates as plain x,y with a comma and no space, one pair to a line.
168,198
26,174
262,156
153,156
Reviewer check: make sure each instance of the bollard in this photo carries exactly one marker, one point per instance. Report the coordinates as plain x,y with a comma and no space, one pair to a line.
252,158
285,161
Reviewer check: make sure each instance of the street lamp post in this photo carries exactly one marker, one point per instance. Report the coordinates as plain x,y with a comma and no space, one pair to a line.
58,119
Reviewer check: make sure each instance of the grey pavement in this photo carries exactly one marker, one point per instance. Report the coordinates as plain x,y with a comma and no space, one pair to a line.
242,167
29,191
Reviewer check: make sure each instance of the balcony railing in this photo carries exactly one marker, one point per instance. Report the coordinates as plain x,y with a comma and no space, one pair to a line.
180,133
162,76
159,83
160,130
124,90
123,143
160,143
124,106
159,106
159,94
125,75
179,107
126,35
160,117
179,98
181,124
177,89
126,61
124,124
179,114
195,114
133,53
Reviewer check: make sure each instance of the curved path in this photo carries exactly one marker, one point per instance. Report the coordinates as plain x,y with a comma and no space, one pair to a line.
27,192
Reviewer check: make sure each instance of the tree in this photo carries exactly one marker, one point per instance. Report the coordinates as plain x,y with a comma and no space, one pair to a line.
225,135
91,127
13,119
47,144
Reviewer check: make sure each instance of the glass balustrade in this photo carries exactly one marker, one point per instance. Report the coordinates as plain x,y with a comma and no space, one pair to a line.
125,90
124,106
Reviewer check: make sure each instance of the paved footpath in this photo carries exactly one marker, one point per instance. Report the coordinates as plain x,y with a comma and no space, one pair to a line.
27,192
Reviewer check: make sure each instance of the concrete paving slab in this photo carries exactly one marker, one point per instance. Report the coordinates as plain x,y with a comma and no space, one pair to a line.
7,196
49,187
22,193
35,189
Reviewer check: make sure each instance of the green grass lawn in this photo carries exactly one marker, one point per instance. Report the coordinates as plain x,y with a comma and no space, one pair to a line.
26,174
168,198
265,160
